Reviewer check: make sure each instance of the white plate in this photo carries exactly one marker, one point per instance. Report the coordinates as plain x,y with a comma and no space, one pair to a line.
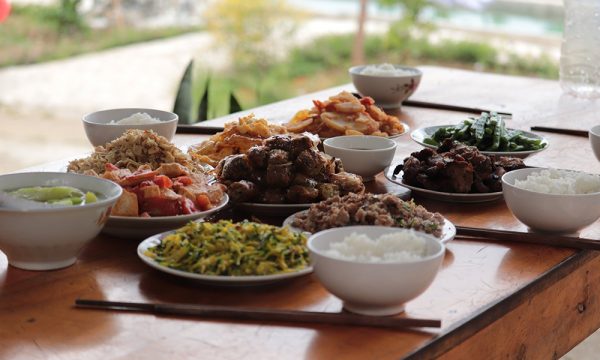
278,210
421,134
440,195
213,279
447,235
142,227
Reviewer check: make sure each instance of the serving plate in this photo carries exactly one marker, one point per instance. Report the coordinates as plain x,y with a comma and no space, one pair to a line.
440,195
278,210
250,280
421,134
447,234
142,227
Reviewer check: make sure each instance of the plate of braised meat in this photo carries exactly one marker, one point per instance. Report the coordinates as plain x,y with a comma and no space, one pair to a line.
283,175
453,172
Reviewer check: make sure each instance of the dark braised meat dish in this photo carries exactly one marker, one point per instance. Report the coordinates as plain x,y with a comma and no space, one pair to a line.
286,169
457,168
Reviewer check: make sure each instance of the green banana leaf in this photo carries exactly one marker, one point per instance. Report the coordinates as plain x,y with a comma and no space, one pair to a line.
184,100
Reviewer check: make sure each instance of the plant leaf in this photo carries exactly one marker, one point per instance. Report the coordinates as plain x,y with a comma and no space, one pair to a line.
183,101
203,107
234,104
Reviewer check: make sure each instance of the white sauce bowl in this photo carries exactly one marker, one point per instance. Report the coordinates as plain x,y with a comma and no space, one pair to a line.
364,155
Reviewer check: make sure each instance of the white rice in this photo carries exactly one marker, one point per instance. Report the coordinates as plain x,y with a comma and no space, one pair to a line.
560,182
385,70
136,119
392,247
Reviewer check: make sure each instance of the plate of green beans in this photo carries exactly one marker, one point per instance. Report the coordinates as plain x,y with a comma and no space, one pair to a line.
488,133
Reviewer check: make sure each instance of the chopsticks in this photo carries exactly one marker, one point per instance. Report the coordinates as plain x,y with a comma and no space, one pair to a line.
430,105
469,233
260,314
574,132
202,130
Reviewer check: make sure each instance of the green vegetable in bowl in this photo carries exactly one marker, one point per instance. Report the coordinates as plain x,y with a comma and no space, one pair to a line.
56,195
488,132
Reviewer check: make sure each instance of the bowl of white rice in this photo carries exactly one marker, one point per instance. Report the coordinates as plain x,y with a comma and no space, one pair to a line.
104,126
388,84
375,270
553,200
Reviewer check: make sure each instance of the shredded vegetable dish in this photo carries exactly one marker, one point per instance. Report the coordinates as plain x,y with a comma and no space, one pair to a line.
232,249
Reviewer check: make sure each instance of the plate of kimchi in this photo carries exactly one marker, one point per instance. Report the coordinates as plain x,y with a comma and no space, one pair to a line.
162,199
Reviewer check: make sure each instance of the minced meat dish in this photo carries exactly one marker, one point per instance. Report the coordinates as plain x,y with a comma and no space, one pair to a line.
369,209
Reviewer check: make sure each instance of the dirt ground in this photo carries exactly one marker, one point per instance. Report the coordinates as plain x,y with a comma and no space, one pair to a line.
35,137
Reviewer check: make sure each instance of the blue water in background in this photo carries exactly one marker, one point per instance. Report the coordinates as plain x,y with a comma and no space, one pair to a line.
464,18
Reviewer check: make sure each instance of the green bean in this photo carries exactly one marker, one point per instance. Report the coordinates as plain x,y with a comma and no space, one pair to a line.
487,132
497,133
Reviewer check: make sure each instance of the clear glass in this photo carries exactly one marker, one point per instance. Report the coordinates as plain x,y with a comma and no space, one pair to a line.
580,50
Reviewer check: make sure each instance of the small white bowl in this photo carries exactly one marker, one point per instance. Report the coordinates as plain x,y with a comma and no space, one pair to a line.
594,135
388,91
51,238
100,132
378,289
549,212
363,155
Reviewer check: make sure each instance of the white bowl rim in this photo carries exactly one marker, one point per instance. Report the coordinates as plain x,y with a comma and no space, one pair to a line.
100,203
172,116
506,183
392,144
595,131
439,252
354,70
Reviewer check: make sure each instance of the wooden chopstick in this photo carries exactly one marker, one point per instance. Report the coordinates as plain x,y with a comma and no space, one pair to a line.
260,314
430,105
477,234
202,130
574,132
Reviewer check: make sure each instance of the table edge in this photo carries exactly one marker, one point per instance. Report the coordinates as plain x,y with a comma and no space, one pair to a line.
463,330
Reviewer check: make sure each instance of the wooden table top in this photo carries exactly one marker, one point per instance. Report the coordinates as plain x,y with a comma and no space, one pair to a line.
498,300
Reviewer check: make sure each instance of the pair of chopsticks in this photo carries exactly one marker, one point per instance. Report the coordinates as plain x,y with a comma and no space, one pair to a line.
201,130
260,314
477,234
430,105
574,132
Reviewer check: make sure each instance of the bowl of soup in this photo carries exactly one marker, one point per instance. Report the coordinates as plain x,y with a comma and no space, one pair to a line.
47,218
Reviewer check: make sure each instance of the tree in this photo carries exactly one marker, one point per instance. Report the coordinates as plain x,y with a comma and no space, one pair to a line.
253,31
358,49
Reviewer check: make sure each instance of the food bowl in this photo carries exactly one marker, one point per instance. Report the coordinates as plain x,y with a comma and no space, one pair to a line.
48,238
388,91
99,131
373,288
594,135
364,155
549,212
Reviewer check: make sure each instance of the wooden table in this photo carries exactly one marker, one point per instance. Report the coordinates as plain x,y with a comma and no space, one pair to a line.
496,300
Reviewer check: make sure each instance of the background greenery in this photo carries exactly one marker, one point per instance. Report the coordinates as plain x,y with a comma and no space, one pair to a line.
251,30
34,34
